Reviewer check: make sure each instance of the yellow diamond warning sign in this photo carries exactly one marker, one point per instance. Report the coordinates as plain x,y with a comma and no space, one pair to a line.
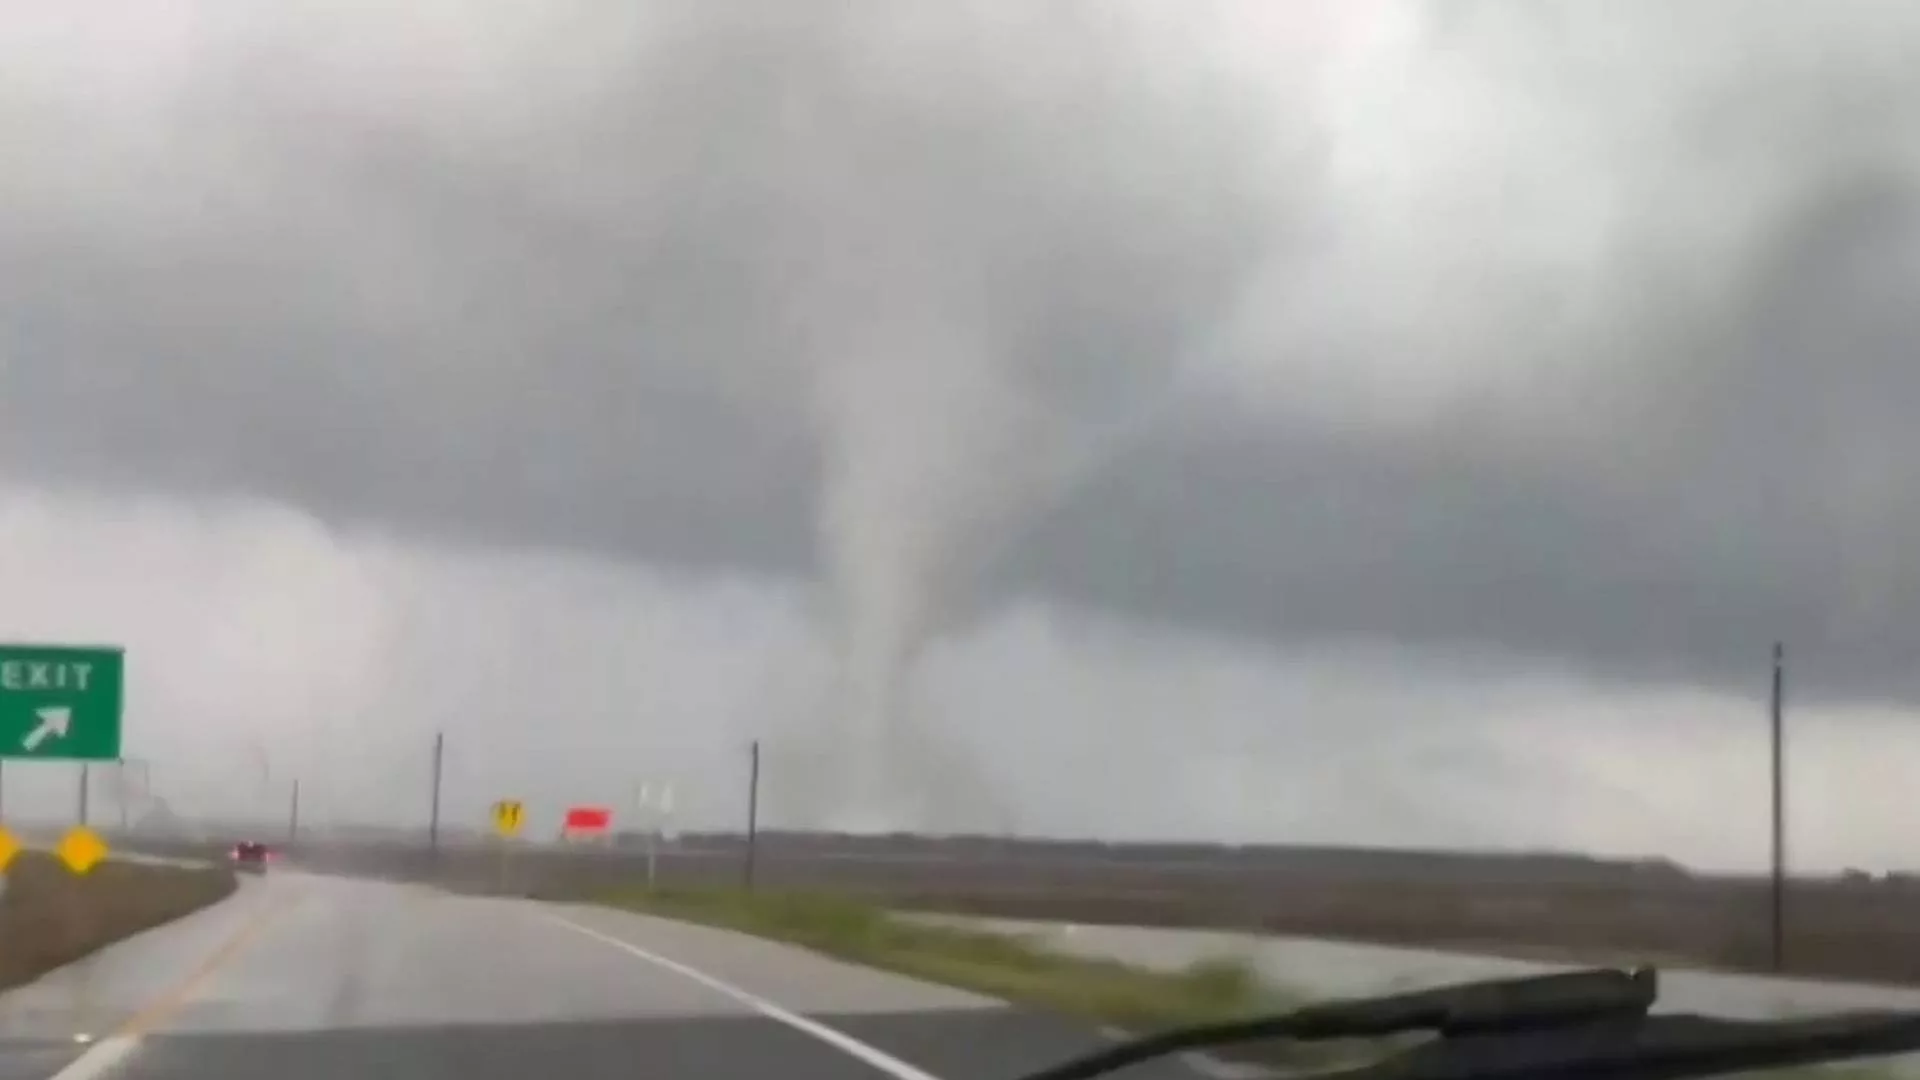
507,815
81,849
9,847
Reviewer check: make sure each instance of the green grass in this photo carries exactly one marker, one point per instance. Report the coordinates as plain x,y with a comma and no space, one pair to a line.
998,965
1005,966
1020,969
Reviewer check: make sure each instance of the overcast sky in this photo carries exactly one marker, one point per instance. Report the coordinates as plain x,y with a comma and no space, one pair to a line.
1396,421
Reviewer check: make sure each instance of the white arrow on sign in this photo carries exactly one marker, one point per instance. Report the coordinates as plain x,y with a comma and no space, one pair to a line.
54,723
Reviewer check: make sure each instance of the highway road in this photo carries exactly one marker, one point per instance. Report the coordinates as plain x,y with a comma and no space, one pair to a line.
305,977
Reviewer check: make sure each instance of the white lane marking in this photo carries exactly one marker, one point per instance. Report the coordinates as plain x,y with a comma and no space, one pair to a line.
839,1040
99,1058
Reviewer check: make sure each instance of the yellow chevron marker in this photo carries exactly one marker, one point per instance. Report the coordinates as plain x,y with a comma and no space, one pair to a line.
81,849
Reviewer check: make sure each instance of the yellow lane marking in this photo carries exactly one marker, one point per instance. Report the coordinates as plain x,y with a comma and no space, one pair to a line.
163,1008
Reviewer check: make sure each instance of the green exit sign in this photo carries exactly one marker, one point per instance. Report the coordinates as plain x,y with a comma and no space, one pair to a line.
61,702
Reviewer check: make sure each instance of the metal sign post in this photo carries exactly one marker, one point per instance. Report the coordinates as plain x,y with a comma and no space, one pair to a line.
655,806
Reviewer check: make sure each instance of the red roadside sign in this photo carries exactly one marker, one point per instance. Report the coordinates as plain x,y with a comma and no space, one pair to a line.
588,818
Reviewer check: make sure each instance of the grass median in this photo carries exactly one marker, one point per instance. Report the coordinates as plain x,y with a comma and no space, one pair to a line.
51,917
1023,971
1005,966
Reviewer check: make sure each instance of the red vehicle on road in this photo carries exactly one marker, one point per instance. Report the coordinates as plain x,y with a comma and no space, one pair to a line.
251,856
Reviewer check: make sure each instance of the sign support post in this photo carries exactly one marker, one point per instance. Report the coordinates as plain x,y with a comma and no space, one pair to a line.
753,814
508,815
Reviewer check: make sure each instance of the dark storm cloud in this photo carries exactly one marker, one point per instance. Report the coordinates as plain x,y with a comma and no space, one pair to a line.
588,321
575,292
1769,489
330,296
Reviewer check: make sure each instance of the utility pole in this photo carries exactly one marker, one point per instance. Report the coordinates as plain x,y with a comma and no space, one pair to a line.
753,813
433,822
1779,921
293,813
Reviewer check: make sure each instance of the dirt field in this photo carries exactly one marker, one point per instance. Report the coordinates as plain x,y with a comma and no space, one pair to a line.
50,917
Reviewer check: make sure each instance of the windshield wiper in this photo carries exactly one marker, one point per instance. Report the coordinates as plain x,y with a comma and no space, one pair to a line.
1593,1025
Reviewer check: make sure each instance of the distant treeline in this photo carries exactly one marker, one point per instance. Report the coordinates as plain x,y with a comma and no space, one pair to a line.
1319,861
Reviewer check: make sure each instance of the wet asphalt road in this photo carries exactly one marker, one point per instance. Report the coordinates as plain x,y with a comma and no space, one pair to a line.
301,977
